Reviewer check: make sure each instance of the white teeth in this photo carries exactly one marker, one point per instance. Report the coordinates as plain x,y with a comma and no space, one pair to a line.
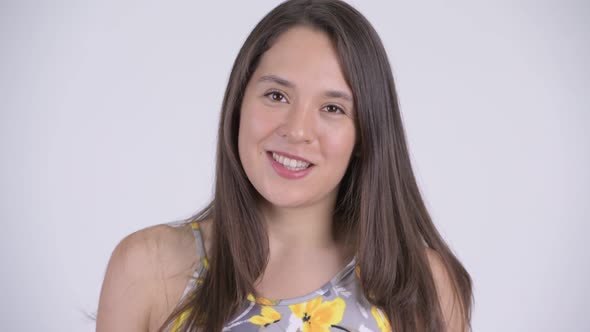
290,164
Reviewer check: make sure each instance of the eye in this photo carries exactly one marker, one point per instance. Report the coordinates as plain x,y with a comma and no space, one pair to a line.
333,109
276,96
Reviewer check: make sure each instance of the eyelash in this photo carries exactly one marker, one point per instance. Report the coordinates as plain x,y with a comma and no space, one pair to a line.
270,93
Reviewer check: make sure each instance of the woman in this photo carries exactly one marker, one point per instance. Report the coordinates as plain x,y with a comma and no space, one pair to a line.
317,223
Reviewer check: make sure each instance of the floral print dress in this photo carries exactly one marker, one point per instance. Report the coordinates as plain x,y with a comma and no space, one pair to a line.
339,305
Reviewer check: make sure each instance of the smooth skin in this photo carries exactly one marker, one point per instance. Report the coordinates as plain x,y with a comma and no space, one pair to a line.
298,102
290,106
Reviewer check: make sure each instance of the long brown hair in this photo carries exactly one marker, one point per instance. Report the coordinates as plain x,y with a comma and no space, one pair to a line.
379,202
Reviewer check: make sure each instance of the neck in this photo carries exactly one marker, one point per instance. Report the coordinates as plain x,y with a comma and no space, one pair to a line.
309,227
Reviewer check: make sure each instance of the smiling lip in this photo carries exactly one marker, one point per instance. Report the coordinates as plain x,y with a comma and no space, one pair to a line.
290,156
285,172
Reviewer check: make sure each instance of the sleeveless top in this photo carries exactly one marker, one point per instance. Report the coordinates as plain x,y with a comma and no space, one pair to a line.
339,305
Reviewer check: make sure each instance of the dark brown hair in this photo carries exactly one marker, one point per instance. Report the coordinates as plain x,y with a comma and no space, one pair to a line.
378,204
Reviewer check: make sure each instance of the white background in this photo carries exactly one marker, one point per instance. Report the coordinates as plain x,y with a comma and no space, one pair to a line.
108,121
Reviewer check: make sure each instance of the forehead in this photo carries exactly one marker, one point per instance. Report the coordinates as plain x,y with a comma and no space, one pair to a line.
306,57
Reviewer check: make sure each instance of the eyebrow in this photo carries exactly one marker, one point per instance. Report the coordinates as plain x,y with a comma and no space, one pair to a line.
281,81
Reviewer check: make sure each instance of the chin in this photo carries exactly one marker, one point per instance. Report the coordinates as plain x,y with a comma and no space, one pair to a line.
286,201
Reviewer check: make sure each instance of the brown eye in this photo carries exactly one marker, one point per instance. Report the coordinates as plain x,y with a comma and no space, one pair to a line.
276,96
333,109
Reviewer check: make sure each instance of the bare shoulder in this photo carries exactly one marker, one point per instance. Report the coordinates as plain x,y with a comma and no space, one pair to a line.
145,277
448,297
438,268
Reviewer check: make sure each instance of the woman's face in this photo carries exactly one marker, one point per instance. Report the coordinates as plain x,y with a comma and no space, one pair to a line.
297,131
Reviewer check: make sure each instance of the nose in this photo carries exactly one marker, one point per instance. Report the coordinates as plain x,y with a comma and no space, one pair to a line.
298,125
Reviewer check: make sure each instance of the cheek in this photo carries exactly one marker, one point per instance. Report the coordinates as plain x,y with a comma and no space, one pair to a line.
252,131
339,145
244,138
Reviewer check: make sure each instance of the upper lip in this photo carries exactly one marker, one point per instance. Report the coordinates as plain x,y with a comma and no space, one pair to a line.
291,156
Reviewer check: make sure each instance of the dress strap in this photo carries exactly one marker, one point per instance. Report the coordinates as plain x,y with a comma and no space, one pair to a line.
197,274
196,227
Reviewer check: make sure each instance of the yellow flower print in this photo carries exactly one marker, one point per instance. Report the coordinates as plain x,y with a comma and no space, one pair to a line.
179,321
381,319
268,315
261,300
205,263
318,316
